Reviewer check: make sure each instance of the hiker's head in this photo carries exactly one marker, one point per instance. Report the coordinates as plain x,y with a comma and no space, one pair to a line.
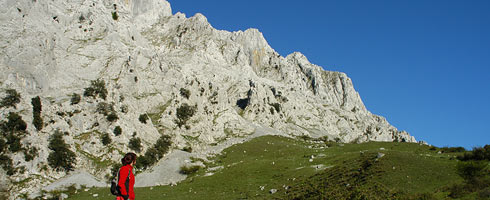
129,158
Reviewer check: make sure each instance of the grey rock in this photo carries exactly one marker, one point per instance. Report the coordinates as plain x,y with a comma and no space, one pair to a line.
145,57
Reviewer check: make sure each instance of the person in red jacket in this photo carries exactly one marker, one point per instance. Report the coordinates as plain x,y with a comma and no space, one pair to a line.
126,177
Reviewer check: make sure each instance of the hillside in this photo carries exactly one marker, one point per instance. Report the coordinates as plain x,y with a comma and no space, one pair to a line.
313,169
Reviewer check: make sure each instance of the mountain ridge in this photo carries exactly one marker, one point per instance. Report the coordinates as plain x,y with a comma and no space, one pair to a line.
152,63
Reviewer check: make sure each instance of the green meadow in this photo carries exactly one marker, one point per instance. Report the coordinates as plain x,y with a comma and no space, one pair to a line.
273,167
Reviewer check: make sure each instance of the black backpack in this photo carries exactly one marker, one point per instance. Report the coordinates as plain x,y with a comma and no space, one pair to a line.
115,189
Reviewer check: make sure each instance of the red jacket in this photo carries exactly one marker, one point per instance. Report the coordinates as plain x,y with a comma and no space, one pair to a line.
123,175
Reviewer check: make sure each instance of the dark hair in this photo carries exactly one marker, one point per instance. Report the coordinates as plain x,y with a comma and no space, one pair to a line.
128,158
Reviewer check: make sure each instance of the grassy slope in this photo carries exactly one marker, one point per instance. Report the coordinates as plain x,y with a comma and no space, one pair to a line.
275,162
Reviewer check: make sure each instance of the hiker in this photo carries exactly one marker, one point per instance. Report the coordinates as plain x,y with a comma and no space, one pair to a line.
125,186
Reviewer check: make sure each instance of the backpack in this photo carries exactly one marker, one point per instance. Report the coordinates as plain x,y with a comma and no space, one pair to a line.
114,187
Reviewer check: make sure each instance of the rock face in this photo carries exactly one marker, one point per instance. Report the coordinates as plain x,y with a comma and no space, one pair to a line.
152,63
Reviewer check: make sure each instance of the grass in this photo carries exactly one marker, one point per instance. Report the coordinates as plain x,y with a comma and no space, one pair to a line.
250,170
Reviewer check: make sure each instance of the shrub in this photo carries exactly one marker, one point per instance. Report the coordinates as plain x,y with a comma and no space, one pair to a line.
3,145
135,144
11,100
14,123
37,121
7,165
155,153
478,153
243,103
30,154
471,170
96,89
185,93
13,142
184,113
36,104
61,157
106,139
143,118
452,149
188,170
115,16
117,131
112,117
36,113
105,108
75,98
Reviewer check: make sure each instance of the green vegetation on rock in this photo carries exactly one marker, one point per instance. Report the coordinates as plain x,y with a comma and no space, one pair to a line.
11,100
61,157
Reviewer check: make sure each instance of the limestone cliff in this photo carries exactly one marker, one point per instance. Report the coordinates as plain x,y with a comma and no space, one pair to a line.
152,63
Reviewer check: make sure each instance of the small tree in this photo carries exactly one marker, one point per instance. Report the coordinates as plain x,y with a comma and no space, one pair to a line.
135,144
7,165
106,139
115,16
11,100
155,153
30,154
185,93
96,89
36,113
14,123
471,170
117,131
184,113
112,117
143,118
61,157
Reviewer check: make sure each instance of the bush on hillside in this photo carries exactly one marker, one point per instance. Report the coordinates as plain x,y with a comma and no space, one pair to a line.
135,144
61,157
112,117
115,16
7,165
478,153
184,113
13,142
185,93
14,123
471,170
452,149
11,100
96,89
3,145
155,153
30,154
117,131
105,108
106,139
36,113
143,118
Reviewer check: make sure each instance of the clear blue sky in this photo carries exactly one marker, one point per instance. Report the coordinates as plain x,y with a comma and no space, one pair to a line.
422,64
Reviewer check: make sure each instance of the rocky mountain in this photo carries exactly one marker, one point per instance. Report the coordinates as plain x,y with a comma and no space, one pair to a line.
132,65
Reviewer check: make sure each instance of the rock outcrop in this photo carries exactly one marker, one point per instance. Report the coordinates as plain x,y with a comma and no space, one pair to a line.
152,62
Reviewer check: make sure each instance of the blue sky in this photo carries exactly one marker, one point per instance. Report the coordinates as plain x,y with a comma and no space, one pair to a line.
422,64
